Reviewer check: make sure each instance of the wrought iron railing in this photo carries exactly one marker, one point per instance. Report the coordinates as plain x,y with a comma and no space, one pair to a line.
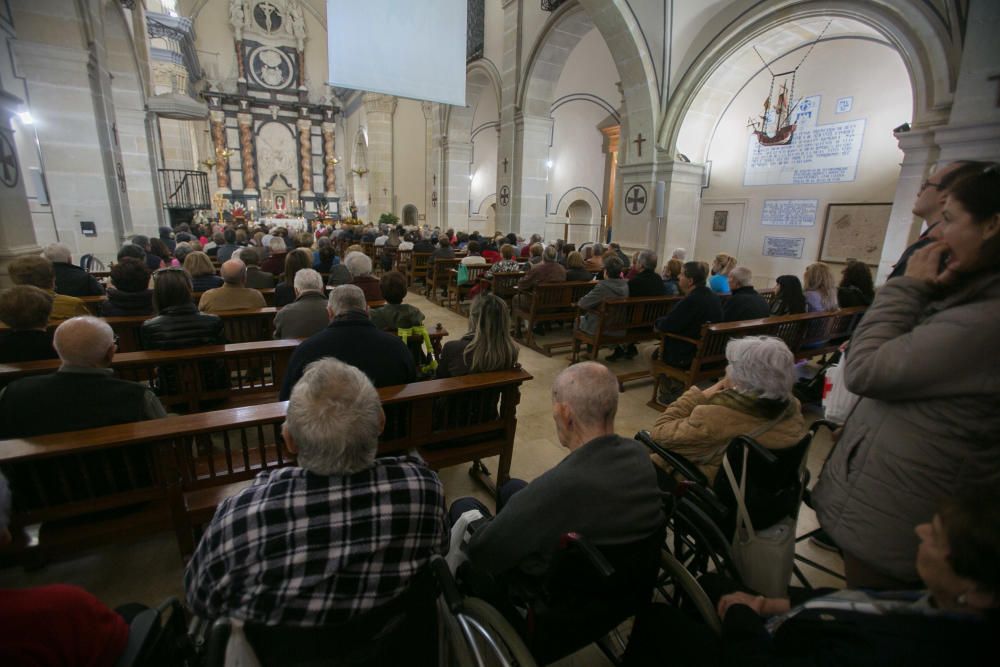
551,5
184,189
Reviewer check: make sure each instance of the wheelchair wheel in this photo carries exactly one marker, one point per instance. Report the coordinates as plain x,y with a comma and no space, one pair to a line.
681,589
479,635
699,544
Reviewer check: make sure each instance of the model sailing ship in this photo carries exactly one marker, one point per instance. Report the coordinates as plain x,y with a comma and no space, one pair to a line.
780,120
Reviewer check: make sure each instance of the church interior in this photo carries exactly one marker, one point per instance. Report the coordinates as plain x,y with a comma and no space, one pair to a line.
782,133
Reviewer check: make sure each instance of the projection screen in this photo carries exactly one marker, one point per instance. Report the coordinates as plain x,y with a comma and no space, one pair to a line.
399,47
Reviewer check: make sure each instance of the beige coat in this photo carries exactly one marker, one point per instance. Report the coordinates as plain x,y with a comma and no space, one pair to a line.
229,297
699,430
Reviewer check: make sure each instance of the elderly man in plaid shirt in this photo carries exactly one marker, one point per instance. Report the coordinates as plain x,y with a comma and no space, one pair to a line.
339,535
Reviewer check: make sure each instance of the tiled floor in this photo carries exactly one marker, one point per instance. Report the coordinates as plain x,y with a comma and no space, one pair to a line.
150,569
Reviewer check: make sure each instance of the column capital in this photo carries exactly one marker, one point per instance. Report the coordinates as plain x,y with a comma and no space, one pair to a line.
379,103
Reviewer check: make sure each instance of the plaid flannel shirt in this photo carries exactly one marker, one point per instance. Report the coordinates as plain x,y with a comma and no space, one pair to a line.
296,548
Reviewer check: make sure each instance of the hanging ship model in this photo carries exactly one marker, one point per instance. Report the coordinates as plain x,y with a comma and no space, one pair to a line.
774,128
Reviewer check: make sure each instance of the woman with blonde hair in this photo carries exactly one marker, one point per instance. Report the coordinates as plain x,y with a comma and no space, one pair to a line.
723,264
202,271
820,288
488,346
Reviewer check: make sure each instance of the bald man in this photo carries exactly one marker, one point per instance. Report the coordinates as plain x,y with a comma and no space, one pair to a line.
234,293
83,393
605,488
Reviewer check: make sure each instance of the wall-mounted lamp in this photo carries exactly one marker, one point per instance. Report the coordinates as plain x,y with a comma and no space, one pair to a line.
360,172
332,159
471,176
905,127
25,118
548,164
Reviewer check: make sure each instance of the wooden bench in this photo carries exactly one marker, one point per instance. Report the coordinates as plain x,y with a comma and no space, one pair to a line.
418,267
438,277
456,292
503,285
807,335
190,463
547,302
623,321
195,378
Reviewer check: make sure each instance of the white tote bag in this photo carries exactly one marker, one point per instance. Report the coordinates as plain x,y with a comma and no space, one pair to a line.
838,401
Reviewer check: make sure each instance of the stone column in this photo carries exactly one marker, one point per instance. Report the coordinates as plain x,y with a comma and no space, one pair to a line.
454,195
920,154
218,122
533,135
507,219
432,139
305,156
17,234
246,154
682,203
379,110
329,129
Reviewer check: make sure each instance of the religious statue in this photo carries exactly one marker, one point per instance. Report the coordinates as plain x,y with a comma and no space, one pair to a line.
296,25
237,17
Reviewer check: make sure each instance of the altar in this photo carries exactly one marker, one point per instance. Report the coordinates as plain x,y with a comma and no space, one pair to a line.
292,223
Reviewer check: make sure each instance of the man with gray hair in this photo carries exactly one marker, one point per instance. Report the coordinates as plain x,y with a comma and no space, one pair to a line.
71,280
360,266
340,534
352,338
234,294
605,489
744,302
83,393
307,314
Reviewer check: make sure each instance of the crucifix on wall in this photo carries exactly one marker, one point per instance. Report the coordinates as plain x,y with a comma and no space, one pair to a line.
505,165
639,141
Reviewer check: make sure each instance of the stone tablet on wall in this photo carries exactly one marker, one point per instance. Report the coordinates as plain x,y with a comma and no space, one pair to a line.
783,246
816,154
789,212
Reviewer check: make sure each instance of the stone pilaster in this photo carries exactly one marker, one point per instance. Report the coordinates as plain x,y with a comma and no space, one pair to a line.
457,156
17,234
379,110
533,135
246,154
507,219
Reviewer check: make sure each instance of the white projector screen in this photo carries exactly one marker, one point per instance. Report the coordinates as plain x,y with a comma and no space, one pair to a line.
399,47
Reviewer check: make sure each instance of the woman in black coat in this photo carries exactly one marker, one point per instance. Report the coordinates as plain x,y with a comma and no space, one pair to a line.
130,294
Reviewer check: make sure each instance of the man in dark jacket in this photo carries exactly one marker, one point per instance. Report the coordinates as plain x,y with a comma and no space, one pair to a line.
646,283
701,305
71,280
226,250
352,338
745,303
84,389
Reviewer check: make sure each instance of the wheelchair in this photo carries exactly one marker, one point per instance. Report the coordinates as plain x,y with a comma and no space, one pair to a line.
702,518
583,596
430,624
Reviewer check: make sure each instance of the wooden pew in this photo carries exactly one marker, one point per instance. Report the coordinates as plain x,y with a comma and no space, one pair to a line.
547,302
503,285
456,292
807,335
93,303
622,322
438,277
188,379
190,463
418,267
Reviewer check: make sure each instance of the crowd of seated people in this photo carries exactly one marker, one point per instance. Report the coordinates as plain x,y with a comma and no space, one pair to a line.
293,548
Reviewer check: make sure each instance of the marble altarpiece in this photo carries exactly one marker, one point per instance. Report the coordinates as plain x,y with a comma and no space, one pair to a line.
274,148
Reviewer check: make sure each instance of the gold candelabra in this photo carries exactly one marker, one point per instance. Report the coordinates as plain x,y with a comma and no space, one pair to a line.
360,172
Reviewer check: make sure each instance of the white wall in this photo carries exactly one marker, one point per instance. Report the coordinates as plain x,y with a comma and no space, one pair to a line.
483,185
871,73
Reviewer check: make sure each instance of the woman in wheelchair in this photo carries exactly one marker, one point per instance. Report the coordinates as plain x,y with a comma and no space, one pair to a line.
754,398
953,621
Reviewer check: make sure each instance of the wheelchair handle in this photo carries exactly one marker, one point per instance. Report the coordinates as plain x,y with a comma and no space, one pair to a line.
573,540
680,464
446,582
759,449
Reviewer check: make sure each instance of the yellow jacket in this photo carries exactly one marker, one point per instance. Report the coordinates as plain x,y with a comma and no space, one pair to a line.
65,307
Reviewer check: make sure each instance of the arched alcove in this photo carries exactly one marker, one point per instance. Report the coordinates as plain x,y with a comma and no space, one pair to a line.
409,215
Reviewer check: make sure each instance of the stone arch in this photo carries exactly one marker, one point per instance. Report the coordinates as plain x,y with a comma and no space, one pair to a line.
921,41
409,215
481,77
576,196
620,30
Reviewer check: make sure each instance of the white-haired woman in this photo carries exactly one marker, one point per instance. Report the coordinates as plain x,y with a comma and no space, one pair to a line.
360,266
754,398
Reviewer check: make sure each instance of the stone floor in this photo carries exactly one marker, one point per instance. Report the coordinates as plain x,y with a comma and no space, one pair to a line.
150,569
